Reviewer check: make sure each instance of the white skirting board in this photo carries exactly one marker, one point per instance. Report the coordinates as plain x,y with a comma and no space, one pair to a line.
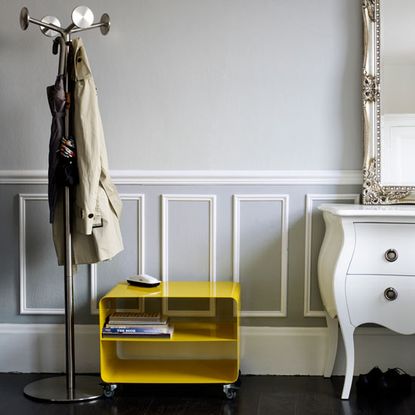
264,350
41,348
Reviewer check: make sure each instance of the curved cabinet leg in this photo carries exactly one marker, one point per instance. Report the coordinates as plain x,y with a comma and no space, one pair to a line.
332,340
347,332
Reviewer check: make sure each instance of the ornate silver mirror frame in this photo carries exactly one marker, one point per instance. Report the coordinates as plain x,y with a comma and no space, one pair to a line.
373,191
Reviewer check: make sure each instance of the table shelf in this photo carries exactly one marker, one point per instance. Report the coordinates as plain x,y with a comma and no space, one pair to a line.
171,371
188,332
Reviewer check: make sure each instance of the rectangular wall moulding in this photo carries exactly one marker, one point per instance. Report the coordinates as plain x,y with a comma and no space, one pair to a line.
41,280
185,233
260,260
188,244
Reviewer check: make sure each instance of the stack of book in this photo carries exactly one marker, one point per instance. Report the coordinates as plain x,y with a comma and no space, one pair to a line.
132,324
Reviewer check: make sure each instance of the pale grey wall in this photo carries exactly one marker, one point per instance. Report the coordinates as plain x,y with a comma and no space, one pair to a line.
195,84
188,85
398,90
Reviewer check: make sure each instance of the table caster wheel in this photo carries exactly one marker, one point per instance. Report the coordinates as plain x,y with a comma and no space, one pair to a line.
230,394
230,391
109,390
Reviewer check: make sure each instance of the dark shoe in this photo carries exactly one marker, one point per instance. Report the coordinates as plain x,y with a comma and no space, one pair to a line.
368,384
395,382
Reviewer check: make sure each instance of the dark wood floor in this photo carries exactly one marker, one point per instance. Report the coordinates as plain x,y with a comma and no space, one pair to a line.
259,395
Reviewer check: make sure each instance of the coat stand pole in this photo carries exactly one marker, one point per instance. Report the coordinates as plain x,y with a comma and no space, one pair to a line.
69,388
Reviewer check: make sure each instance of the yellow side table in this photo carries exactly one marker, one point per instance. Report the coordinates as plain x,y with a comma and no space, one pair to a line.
204,347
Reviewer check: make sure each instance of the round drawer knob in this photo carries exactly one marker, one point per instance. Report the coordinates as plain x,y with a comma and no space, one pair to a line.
391,255
390,294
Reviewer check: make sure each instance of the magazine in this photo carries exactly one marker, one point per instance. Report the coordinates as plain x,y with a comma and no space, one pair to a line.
136,318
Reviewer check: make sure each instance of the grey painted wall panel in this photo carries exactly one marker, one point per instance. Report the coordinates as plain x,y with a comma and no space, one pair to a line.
188,242
260,255
316,241
44,279
224,248
260,227
260,219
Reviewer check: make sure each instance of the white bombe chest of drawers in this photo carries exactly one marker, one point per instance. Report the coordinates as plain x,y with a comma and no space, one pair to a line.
366,272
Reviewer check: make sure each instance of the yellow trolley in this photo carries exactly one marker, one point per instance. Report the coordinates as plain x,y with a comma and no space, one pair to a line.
204,346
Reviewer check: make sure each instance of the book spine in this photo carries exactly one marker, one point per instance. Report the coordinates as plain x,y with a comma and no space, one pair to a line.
136,316
151,335
157,327
134,330
137,322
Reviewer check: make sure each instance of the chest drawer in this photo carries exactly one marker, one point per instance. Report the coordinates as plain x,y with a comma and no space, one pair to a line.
375,241
367,303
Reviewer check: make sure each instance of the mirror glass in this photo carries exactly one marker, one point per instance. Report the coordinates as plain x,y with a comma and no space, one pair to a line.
397,92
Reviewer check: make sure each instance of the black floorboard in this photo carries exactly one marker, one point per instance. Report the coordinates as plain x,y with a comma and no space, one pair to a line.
259,395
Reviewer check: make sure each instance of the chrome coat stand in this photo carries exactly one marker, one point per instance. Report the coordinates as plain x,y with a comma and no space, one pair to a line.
69,388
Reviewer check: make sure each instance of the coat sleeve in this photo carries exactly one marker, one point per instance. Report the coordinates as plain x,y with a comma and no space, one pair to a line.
89,136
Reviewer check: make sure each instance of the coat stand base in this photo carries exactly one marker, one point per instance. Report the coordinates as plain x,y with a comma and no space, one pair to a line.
54,389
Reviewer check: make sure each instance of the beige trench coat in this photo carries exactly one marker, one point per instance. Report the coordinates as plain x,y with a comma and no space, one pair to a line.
96,208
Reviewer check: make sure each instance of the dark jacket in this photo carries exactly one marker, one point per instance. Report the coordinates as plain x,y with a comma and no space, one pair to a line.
56,99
